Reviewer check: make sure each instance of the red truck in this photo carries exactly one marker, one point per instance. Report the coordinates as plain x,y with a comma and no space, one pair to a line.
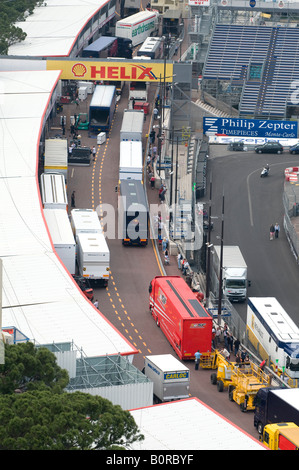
182,318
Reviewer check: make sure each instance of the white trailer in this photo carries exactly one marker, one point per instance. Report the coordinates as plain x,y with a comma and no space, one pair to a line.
85,221
171,378
62,237
234,273
130,160
56,156
274,335
138,27
93,257
53,191
132,125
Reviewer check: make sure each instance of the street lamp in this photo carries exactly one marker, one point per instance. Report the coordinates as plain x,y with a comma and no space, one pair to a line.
221,264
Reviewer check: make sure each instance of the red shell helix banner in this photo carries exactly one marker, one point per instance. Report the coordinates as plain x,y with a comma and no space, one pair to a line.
143,71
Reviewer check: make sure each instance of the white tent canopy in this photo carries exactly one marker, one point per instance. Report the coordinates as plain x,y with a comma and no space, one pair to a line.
40,297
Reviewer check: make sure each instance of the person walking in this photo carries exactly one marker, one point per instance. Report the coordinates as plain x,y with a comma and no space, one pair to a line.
277,229
272,232
94,152
73,199
179,258
185,267
96,304
197,359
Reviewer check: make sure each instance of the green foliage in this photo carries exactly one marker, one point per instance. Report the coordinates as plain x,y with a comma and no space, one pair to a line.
36,414
12,11
69,421
29,368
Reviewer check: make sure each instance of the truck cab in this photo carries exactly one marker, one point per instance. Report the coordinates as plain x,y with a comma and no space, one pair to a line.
281,436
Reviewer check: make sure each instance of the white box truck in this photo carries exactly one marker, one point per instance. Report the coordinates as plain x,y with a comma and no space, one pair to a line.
132,125
53,191
85,221
56,156
93,257
130,160
138,27
234,273
171,378
62,237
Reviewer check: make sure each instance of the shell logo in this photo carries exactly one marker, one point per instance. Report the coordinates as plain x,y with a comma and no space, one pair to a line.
79,70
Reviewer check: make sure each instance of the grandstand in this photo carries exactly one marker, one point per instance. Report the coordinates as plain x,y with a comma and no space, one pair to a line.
262,61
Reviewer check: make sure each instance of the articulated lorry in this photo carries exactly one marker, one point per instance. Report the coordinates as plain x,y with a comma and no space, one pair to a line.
133,214
56,157
138,27
130,160
132,125
108,46
182,318
62,237
102,108
171,378
93,257
234,273
276,405
85,221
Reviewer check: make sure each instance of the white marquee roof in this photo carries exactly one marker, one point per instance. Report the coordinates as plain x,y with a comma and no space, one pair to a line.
189,425
52,29
39,296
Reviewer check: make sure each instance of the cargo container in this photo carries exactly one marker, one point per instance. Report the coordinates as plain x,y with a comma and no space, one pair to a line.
276,405
133,213
102,108
93,257
182,318
132,125
138,27
62,237
130,160
108,46
53,191
234,273
171,378
152,47
56,156
85,221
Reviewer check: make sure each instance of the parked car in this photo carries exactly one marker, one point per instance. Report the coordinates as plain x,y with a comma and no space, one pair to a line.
269,147
294,149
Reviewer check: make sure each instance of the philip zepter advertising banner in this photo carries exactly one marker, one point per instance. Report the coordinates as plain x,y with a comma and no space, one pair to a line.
250,128
146,71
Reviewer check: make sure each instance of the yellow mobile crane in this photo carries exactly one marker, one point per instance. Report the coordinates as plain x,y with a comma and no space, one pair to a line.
243,380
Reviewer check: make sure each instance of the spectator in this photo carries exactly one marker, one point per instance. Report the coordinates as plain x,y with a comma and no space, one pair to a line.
236,346
197,359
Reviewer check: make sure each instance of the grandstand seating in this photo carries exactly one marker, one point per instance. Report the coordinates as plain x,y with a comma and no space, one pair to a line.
236,49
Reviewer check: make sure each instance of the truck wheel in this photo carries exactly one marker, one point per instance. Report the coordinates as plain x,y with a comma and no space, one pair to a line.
243,407
220,386
157,322
260,428
213,379
231,393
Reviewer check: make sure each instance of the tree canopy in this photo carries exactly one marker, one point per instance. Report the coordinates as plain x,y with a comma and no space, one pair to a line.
12,11
37,414
69,421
